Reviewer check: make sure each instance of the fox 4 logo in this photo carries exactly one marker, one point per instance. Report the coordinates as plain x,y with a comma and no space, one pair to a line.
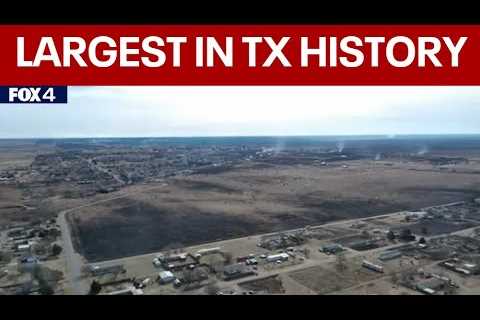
33,94
30,95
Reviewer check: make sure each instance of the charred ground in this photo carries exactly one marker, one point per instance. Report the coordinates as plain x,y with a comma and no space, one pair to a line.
219,188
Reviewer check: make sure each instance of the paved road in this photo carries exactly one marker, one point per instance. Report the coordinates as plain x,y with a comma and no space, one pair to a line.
73,260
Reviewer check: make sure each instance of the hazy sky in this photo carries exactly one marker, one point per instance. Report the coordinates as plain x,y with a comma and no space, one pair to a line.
208,110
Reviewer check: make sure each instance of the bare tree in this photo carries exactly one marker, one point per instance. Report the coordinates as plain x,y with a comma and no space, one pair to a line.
390,235
40,249
5,257
306,253
341,262
424,230
56,249
228,257
449,290
188,276
95,288
212,288
394,278
407,279
215,263
45,288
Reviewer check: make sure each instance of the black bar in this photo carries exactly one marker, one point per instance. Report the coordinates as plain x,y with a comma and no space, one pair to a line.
241,12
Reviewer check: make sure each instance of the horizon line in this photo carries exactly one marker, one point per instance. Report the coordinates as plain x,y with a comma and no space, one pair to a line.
244,136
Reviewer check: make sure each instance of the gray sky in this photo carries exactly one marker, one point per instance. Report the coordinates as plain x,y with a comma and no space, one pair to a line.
210,110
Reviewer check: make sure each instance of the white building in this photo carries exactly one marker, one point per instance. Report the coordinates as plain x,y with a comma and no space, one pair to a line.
23,247
277,257
166,277
372,266
415,215
127,291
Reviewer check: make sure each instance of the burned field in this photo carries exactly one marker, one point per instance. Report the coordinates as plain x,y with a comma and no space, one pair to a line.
136,228
204,208
444,219
220,188
444,247
434,227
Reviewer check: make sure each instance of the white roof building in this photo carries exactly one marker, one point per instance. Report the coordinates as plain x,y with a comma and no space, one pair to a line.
166,276
277,257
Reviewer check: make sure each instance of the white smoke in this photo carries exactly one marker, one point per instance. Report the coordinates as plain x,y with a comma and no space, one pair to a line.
423,151
340,146
279,147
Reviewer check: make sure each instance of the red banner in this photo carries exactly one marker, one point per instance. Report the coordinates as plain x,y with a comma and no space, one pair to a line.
240,55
